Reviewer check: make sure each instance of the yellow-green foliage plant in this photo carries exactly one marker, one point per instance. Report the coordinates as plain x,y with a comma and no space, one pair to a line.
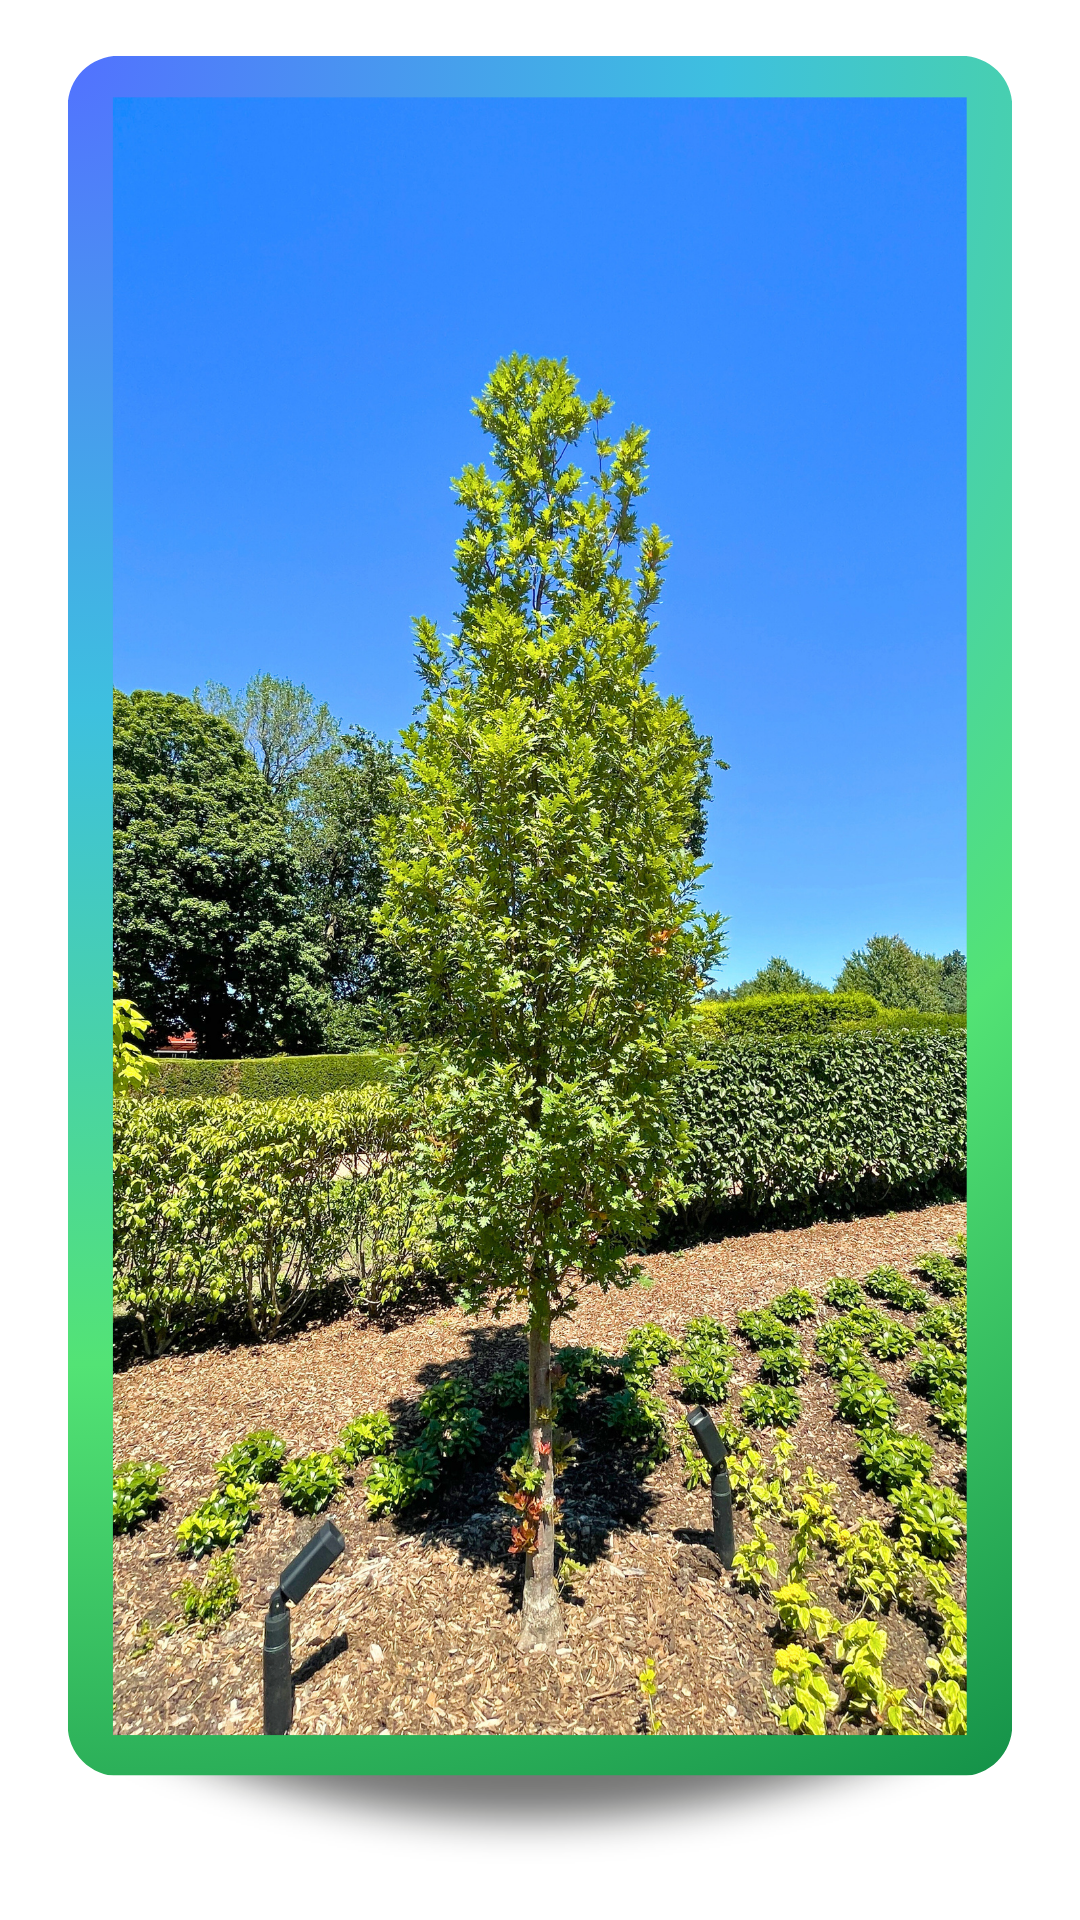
132,1069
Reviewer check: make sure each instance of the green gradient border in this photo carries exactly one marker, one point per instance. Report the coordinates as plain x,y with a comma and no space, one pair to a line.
989,588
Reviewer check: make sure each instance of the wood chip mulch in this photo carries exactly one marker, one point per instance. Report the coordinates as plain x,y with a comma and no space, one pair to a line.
414,1629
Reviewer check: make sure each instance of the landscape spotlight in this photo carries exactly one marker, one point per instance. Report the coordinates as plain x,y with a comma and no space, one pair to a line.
298,1578
713,1448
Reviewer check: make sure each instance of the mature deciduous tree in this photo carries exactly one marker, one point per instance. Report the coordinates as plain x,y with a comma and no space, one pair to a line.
210,932
777,976
279,724
899,977
542,884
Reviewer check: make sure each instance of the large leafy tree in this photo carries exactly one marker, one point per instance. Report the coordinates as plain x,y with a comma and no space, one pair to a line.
898,976
210,931
776,976
542,885
278,721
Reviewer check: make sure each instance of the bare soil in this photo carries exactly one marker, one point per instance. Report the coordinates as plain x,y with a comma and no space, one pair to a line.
414,1629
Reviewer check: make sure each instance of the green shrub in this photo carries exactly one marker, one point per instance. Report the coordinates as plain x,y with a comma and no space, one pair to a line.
397,1483
948,1408
761,1328
934,1518
783,1366
890,1285
888,1339
843,1293
229,1209
311,1482
943,1273
280,1077
582,1368
706,1362
509,1386
136,1493
864,1399
770,1406
453,1426
935,1366
889,1460
221,1521
774,1014
818,1123
947,1325
257,1457
368,1437
838,1344
647,1348
637,1416
794,1305
218,1596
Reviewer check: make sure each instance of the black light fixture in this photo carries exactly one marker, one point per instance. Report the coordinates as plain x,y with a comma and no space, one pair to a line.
713,1448
298,1578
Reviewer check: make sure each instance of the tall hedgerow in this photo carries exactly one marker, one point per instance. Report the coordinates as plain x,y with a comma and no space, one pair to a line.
541,884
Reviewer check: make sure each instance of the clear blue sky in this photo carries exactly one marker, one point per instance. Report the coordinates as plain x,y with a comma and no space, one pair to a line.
308,296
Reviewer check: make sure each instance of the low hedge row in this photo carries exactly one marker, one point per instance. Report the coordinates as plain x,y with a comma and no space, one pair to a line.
232,1211
790,1126
780,1014
281,1077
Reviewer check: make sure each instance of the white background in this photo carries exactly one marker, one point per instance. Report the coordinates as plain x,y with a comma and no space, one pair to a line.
165,1847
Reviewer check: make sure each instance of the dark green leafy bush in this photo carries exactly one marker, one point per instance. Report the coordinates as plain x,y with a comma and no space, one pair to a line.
947,1325
864,1399
453,1425
794,1305
368,1437
637,1416
136,1493
770,1406
394,1484
785,1126
888,1460
221,1521
888,1339
761,1328
935,1366
706,1362
309,1483
890,1285
943,1273
933,1517
949,1409
216,1598
838,1345
257,1457
582,1368
509,1386
782,1366
843,1293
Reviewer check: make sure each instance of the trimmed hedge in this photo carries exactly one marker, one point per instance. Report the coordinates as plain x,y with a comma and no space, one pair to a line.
779,1013
821,1122
284,1076
234,1211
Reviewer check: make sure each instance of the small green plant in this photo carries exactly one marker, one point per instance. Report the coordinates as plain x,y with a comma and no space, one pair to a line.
783,1366
706,1362
806,1696
648,1683
888,1460
136,1493
888,1339
843,1293
947,1668
864,1399
869,1565
861,1648
311,1482
509,1386
948,1408
369,1437
770,1406
755,1562
218,1596
761,1328
890,1285
794,1305
933,1518
943,1273
637,1415
935,1367
947,1325
799,1612
397,1483
220,1521
453,1425
838,1344
647,1348
815,1523
258,1456
695,1466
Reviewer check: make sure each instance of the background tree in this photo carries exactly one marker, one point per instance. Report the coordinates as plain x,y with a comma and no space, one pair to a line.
338,800
541,883
777,976
279,724
210,932
898,976
953,982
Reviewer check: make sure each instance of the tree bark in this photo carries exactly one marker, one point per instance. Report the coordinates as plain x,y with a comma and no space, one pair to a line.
541,1615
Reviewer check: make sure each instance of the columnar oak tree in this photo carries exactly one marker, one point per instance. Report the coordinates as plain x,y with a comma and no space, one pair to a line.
541,883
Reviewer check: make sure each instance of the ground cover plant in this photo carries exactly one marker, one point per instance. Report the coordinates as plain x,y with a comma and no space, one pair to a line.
843,1614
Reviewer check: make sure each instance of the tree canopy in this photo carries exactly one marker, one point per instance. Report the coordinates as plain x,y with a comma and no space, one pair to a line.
777,976
541,884
210,930
279,724
898,976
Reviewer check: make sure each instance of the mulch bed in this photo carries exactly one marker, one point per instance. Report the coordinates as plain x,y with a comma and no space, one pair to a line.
414,1629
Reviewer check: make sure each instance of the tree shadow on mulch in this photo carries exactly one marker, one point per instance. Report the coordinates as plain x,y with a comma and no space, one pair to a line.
601,1491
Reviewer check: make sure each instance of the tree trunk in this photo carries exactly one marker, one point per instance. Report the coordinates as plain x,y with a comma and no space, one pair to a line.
541,1616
